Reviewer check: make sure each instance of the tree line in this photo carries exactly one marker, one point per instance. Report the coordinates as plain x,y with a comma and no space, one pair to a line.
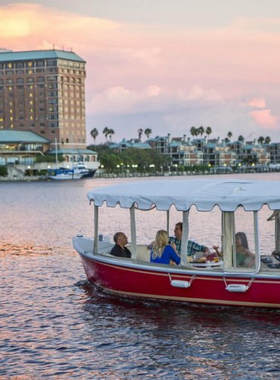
194,131
110,132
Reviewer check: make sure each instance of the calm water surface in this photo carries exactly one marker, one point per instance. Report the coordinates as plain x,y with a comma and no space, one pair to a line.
54,324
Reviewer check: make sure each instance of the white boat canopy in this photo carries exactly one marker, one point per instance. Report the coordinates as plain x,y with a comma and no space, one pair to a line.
227,194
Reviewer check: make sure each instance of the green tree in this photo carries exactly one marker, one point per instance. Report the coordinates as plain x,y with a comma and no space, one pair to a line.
241,138
208,131
261,140
140,133
267,140
201,130
229,135
3,171
111,133
148,132
106,132
193,131
94,133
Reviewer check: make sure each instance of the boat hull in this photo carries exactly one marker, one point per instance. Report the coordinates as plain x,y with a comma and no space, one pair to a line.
90,173
147,282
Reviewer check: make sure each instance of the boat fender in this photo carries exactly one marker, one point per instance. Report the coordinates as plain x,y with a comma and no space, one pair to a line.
180,284
237,288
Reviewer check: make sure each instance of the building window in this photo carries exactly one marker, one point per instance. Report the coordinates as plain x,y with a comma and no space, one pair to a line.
40,64
51,79
51,63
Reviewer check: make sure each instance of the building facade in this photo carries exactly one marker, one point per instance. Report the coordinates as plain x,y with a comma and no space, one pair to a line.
44,92
183,151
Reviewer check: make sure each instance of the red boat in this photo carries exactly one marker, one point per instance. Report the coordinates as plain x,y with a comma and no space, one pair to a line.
220,281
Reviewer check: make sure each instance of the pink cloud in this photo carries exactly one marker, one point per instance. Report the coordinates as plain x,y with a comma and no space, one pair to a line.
265,119
132,68
258,102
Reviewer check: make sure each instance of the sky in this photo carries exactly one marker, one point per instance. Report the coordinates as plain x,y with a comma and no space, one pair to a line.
166,65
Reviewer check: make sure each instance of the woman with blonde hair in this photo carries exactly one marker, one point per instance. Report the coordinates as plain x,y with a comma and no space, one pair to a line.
162,252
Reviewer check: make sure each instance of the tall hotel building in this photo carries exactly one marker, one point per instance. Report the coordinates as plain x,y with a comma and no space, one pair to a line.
44,92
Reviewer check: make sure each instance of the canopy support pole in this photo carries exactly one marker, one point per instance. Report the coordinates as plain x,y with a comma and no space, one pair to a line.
185,238
257,242
277,231
228,239
133,233
168,222
95,243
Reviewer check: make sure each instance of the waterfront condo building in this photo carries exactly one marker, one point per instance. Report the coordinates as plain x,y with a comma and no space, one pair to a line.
44,92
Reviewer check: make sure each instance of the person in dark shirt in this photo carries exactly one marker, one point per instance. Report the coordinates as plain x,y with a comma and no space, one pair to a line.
119,248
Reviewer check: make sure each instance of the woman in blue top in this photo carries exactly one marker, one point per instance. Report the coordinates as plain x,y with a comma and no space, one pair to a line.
161,251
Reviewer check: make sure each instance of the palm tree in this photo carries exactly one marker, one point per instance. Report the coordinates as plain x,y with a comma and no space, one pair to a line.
193,131
208,131
267,140
94,133
140,133
229,135
261,140
111,132
106,132
201,130
147,132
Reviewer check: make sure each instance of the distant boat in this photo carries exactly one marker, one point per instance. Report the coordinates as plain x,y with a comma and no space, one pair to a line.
80,167
63,174
79,171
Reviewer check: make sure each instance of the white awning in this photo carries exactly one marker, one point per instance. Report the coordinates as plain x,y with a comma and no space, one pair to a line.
204,194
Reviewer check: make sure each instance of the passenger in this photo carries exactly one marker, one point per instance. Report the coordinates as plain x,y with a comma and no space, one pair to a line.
244,258
192,248
162,252
119,248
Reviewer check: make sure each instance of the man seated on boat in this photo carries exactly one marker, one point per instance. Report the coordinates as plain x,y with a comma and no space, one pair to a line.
119,248
192,248
162,252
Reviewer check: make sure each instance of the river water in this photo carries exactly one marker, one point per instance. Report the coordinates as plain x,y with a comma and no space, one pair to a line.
53,323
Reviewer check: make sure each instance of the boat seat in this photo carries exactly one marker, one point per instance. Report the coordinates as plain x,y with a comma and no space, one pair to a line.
143,253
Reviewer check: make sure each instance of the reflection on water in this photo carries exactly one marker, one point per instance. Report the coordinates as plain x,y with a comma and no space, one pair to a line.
53,323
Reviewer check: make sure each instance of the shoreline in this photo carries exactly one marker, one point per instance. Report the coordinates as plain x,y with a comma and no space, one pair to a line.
130,175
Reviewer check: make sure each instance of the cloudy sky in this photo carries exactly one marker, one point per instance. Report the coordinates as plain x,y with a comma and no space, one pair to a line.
166,65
